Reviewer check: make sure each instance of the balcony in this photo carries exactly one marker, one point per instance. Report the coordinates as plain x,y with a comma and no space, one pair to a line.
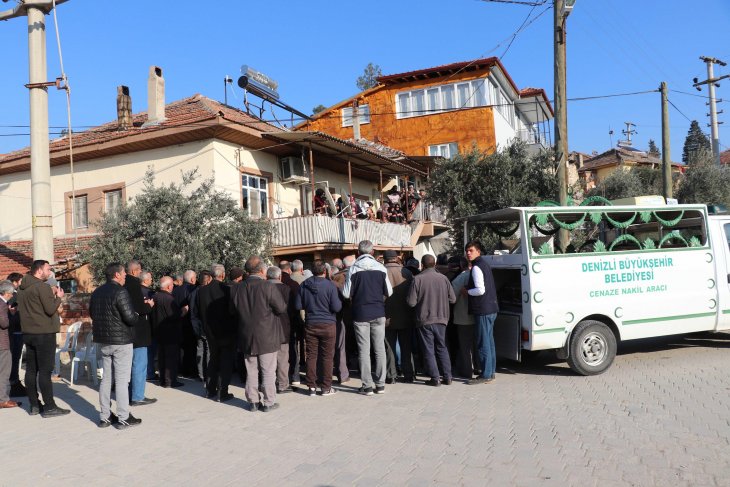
534,139
326,231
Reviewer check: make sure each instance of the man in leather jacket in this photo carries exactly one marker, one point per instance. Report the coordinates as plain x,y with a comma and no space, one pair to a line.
113,319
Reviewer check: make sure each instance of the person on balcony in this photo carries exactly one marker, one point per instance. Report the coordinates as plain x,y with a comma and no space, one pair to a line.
320,203
383,214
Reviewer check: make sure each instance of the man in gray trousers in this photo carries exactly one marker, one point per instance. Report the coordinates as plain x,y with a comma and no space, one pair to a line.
113,318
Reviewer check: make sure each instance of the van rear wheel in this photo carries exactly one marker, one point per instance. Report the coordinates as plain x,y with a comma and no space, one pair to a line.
592,348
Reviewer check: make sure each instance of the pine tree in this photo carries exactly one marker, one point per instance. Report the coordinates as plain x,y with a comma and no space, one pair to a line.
653,149
318,109
367,80
695,142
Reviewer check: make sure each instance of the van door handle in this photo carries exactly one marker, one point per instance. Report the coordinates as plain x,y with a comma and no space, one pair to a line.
728,278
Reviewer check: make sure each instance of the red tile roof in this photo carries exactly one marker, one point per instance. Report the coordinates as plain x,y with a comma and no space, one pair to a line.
725,157
182,113
445,69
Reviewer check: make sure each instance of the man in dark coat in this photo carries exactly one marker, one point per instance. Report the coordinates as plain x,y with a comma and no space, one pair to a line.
431,293
142,335
6,293
202,356
167,326
398,319
213,301
296,335
188,343
38,307
255,304
114,320
274,275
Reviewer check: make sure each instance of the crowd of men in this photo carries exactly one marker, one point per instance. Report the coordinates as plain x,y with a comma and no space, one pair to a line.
383,319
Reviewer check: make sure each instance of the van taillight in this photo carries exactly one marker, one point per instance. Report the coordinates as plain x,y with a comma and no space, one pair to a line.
525,336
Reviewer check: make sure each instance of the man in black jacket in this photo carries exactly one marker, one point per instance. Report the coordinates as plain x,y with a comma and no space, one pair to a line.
142,335
167,326
113,320
212,305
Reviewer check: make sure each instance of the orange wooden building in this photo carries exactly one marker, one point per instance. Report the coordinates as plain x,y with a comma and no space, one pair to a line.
443,110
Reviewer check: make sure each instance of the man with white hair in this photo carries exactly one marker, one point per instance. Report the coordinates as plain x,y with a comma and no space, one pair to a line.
367,286
297,271
6,293
189,343
213,301
344,321
166,319
142,335
274,274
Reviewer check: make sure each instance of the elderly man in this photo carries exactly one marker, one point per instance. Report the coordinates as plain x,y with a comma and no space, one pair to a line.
17,389
142,335
145,278
398,319
367,286
213,304
38,307
167,325
297,271
6,293
431,293
296,327
189,343
114,320
274,274
256,303
344,323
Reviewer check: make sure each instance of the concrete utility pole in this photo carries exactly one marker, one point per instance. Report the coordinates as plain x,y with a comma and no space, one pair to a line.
711,82
561,106
40,167
666,152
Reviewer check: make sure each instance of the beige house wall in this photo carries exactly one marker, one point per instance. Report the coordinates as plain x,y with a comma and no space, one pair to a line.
127,170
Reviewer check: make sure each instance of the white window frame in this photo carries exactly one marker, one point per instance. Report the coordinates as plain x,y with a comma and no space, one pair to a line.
106,199
446,150
80,208
363,115
405,106
247,189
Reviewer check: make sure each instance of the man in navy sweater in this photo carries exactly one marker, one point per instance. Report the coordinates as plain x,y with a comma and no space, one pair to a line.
367,285
319,299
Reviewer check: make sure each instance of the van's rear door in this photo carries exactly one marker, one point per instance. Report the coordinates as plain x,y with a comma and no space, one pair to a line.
721,244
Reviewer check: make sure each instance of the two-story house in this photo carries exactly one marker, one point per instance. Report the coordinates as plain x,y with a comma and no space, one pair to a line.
272,172
443,110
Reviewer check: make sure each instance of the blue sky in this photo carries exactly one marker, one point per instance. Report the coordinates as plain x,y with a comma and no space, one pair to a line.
316,50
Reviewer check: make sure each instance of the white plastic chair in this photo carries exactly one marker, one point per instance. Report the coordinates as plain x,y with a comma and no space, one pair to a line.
87,357
72,336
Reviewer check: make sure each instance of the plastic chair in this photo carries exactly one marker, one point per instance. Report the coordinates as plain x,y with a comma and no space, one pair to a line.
72,336
87,357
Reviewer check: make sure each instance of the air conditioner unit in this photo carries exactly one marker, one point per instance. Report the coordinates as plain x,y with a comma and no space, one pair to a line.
293,170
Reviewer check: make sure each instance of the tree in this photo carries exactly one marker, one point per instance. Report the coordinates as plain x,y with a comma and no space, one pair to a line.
318,109
367,80
621,183
176,227
704,182
653,149
476,182
695,142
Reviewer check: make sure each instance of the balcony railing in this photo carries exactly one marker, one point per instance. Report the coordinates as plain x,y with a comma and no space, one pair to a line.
320,229
427,211
533,137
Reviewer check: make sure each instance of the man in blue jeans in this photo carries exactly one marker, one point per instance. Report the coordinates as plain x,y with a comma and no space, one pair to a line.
142,335
483,306
367,286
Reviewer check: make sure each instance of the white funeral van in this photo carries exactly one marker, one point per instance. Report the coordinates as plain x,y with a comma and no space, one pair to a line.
630,272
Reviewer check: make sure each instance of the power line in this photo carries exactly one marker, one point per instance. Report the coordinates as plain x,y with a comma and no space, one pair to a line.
689,94
518,2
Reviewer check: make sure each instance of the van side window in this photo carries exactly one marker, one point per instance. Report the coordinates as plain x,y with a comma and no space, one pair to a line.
727,233
603,229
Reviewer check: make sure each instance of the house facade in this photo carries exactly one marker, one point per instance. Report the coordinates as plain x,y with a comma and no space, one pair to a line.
598,167
443,110
272,173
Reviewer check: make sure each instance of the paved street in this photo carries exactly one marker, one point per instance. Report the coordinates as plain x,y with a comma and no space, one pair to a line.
659,416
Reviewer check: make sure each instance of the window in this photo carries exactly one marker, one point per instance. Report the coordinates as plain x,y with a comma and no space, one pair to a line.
112,200
443,150
437,99
727,233
81,212
255,195
363,112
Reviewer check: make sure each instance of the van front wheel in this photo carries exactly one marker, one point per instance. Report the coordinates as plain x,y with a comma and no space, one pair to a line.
592,348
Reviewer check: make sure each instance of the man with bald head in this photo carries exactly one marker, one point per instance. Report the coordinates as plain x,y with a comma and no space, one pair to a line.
256,304
430,294
189,342
167,323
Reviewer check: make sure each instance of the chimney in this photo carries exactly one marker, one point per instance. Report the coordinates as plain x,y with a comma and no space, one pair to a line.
155,97
124,108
